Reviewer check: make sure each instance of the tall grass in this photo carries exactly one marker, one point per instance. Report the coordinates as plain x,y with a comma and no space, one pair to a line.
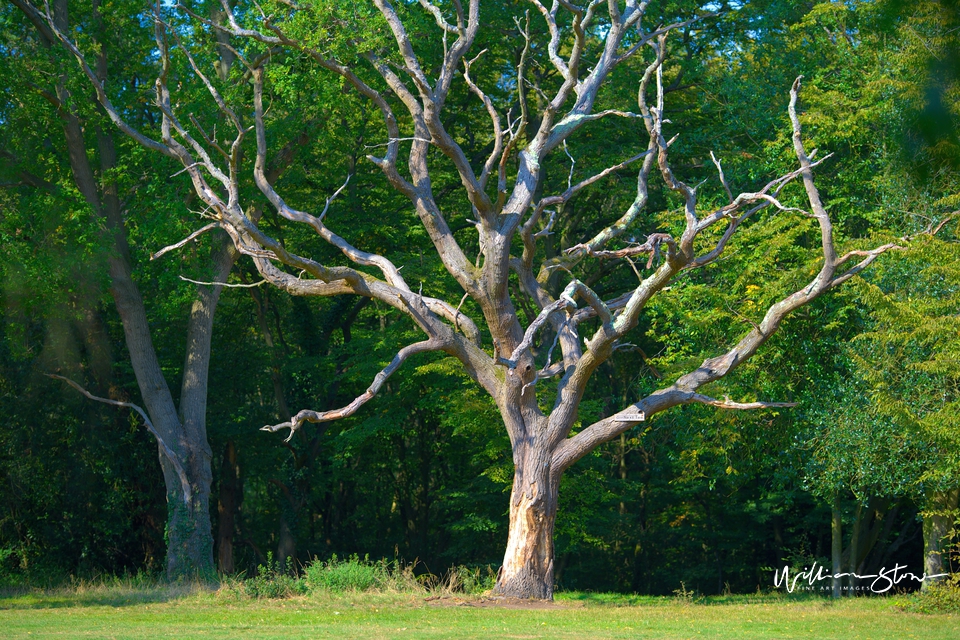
271,580
356,575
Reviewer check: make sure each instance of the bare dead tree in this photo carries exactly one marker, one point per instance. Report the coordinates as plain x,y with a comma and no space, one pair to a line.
542,444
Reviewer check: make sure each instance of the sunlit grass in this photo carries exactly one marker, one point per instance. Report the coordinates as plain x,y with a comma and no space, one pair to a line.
132,609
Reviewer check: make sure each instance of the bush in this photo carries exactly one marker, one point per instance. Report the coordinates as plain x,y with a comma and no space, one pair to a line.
273,580
938,598
351,574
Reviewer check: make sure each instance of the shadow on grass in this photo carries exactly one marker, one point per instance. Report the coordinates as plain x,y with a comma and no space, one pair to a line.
97,596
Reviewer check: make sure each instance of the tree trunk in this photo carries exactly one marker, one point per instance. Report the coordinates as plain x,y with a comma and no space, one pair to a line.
227,508
189,539
854,549
189,533
287,545
836,547
527,570
937,529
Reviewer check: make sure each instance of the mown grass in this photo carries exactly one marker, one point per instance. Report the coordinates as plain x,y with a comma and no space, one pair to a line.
122,609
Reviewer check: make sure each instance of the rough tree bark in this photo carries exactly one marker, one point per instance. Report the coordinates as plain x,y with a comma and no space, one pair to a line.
511,216
527,570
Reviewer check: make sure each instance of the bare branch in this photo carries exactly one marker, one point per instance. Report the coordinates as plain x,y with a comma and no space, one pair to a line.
37,16
432,99
221,103
871,255
574,448
684,390
548,228
405,47
640,202
947,220
662,31
438,16
554,46
651,246
549,370
609,112
727,403
460,320
564,302
573,164
689,193
494,119
723,178
813,194
390,272
192,236
335,414
164,447
249,285
529,237
573,190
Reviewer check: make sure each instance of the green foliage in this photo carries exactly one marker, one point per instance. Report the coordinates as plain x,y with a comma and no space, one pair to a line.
349,574
909,357
354,575
935,599
273,580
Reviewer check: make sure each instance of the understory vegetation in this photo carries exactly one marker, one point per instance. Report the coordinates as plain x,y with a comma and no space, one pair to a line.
336,576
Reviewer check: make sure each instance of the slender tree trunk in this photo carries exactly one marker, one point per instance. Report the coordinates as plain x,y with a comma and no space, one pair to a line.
227,508
287,545
937,529
836,547
527,570
854,549
190,540
623,471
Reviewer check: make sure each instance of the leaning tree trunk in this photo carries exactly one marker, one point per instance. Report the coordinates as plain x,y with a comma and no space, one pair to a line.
527,570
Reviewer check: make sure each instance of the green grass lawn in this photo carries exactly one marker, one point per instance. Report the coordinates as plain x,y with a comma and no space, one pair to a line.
119,612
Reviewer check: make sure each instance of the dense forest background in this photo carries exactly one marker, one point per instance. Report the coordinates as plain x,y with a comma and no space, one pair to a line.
422,473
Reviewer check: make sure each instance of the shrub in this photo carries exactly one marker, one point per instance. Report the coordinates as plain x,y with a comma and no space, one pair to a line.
351,574
938,598
354,574
273,580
